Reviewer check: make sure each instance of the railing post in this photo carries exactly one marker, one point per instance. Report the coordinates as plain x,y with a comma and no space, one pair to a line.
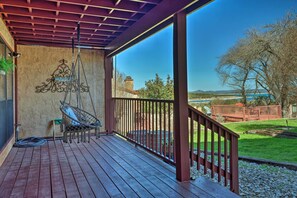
109,114
181,98
234,183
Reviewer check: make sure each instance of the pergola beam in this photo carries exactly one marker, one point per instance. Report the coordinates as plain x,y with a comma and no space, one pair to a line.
162,12
61,39
59,34
55,44
37,6
74,16
128,6
68,29
61,28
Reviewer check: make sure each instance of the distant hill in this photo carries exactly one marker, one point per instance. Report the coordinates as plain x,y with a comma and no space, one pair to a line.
225,92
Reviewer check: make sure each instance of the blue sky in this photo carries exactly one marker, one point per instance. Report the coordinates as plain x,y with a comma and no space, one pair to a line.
212,30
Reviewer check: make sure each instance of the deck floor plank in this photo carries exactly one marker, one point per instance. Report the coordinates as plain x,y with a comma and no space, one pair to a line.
44,189
57,183
96,161
31,189
94,174
131,169
68,178
22,177
81,181
12,173
129,179
106,167
155,172
6,164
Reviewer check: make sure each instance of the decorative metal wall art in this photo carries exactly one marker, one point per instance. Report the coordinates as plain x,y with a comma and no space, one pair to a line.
59,80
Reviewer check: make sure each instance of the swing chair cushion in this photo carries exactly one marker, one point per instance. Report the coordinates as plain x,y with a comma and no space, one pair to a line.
77,118
72,115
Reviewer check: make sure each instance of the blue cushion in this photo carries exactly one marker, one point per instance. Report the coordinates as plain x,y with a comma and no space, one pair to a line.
72,115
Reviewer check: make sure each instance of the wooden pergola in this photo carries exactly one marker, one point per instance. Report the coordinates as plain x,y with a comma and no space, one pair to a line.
113,26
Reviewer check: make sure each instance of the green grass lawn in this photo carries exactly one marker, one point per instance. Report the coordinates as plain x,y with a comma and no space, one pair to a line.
240,127
266,147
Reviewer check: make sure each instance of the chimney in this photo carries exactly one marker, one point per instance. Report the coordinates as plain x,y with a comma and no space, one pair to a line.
129,83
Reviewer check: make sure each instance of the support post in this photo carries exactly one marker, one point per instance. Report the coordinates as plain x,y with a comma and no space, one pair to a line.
16,106
181,98
108,68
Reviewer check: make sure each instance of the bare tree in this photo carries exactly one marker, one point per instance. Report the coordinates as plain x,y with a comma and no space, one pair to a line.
265,59
235,68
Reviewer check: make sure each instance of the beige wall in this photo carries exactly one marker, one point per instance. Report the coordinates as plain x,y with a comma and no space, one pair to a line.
5,35
37,63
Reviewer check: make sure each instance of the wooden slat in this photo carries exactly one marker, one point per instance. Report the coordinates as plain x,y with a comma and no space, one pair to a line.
94,174
186,189
130,168
212,151
97,160
205,145
34,172
57,183
81,181
198,142
44,189
132,182
21,179
106,167
69,181
219,155
10,178
6,164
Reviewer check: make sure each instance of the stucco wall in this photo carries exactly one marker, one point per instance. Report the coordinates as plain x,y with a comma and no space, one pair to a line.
5,35
37,63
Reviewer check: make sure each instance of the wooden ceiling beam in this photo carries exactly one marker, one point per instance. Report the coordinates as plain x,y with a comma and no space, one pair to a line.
22,20
69,9
55,44
127,6
62,30
60,39
60,34
65,17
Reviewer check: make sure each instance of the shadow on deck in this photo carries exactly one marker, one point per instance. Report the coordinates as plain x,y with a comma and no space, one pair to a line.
107,167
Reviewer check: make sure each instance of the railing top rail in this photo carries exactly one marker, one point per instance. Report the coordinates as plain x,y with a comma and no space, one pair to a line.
244,106
213,121
145,99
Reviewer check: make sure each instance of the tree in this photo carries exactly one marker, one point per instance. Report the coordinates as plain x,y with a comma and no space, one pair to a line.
118,84
157,88
265,59
235,68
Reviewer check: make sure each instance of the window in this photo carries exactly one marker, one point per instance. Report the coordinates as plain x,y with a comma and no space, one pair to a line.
6,101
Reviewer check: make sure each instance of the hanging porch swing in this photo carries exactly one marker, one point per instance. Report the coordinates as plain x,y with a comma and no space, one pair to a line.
76,121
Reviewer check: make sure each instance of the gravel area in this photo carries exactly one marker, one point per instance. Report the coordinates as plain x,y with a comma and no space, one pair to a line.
259,180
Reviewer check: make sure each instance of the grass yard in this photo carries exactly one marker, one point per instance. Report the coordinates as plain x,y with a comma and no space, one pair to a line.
240,127
266,147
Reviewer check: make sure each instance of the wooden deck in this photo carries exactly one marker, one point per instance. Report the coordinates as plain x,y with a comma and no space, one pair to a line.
107,167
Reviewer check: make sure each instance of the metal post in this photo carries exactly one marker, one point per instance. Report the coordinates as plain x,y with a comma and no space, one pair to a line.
16,88
108,67
181,98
